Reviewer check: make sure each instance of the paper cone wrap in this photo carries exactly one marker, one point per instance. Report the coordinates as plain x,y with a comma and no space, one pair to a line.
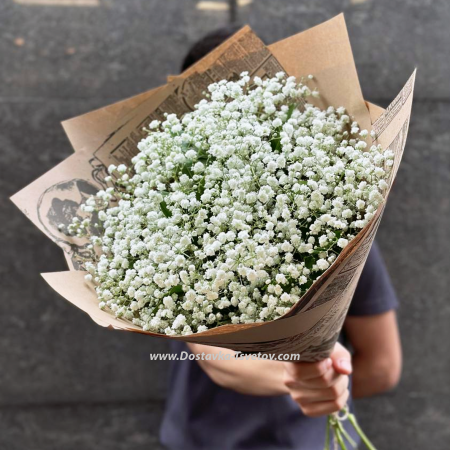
110,136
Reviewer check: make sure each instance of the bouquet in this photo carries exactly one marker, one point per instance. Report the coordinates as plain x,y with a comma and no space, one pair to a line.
230,207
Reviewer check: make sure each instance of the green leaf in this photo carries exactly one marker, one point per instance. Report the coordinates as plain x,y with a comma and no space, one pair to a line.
165,210
309,262
200,189
178,289
290,111
186,169
275,142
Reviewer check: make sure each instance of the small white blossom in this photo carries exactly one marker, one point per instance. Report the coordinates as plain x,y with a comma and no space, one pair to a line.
342,243
322,264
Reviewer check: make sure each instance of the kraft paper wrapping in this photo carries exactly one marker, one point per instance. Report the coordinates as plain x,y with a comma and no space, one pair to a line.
109,136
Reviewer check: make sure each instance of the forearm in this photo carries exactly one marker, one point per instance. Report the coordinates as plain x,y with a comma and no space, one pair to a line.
372,377
246,376
377,358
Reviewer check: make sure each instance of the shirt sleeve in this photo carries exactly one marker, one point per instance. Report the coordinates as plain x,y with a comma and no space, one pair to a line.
374,293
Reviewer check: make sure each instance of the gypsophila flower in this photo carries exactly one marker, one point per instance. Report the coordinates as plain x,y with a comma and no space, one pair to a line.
230,213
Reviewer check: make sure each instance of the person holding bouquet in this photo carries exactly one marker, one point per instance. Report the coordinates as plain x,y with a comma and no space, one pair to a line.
265,404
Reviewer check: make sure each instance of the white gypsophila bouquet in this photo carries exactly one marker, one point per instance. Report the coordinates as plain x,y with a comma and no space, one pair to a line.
231,212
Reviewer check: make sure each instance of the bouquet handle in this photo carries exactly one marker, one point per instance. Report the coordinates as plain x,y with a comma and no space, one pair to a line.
336,433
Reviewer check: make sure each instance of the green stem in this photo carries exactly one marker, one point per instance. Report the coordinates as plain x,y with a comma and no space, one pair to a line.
345,434
327,435
338,436
364,438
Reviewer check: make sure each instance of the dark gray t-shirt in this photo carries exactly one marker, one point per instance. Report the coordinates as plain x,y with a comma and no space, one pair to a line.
202,415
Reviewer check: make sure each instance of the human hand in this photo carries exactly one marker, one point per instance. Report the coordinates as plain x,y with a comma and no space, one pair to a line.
320,388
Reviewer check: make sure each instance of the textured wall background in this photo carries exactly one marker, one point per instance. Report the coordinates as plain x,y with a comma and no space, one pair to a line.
66,383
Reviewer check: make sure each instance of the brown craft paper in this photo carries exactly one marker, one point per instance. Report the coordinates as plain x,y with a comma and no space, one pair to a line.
110,135
100,124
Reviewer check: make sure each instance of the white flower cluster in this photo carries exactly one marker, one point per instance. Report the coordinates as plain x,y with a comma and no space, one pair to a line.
232,212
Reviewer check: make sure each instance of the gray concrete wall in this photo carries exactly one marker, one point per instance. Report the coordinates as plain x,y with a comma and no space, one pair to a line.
66,383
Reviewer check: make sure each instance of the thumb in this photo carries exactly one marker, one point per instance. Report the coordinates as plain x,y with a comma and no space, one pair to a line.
342,360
